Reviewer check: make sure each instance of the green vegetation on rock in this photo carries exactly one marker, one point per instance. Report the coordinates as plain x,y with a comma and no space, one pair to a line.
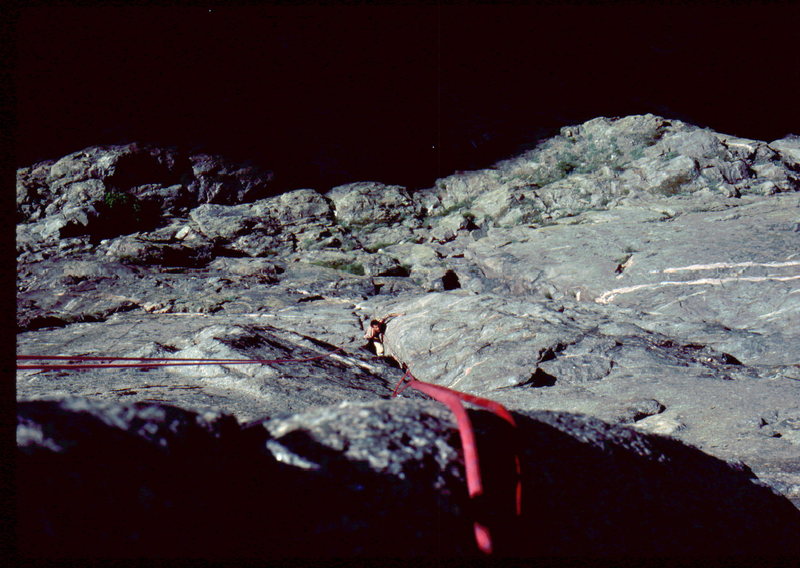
118,203
351,267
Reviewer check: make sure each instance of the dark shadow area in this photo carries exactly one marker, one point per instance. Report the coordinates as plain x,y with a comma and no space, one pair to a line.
216,493
118,214
158,481
591,489
396,271
450,281
142,168
330,95
539,378
32,317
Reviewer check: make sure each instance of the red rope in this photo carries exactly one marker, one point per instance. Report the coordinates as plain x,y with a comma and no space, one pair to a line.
449,397
452,399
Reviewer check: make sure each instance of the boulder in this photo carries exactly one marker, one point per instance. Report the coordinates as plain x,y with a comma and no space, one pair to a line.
455,192
376,479
119,166
218,180
364,203
247,267
138,250
268,227
425,266
788,149
358,263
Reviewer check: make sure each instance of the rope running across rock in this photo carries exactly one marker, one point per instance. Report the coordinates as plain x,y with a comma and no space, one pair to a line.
451,398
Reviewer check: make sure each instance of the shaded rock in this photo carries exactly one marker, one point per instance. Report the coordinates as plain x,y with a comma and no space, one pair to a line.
105,191
121,166
382,479
218,180
105,181
147,487
172,200
136,249
34,238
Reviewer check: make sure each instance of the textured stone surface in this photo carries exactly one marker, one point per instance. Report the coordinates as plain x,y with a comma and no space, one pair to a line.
743,277
639,271
249,391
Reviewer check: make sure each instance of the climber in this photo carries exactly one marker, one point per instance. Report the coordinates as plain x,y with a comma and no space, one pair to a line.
376,331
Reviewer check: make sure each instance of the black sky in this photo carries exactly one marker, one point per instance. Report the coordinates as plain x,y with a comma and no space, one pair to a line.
324,95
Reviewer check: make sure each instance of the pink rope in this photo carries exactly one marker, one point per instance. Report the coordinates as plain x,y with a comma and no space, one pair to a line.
452,399
449,397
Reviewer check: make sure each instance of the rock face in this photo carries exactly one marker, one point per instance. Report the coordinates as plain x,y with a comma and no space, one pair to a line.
638,271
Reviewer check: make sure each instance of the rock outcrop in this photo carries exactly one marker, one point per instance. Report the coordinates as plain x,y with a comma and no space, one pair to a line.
107,191
640,271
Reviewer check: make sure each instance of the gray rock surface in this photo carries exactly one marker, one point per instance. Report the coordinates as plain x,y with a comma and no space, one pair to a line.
251,391
647,258
604,162
639,271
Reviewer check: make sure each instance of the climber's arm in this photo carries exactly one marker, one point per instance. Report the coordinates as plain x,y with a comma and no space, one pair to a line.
384,320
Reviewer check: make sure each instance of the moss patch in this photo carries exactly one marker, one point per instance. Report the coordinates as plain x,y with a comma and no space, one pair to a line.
351,267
